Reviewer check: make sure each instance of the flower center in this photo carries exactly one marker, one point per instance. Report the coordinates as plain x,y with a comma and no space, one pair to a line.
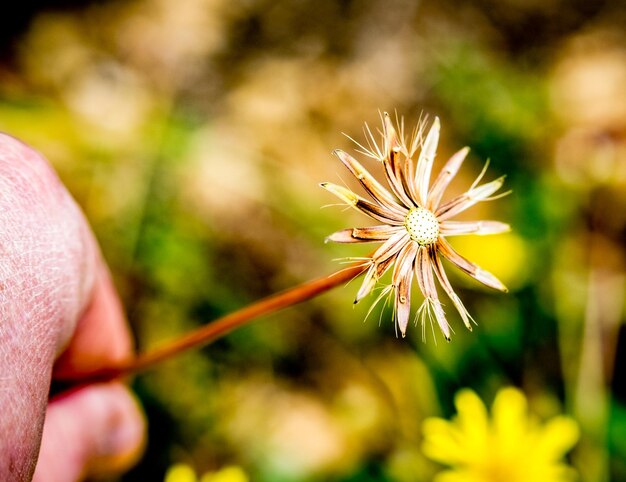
422,226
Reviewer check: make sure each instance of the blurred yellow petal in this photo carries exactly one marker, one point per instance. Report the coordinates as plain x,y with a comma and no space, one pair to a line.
227,474
510,421
441,441
457,476
558,436
473,421
180,473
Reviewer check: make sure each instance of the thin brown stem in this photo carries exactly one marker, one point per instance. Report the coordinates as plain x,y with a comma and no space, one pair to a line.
213,331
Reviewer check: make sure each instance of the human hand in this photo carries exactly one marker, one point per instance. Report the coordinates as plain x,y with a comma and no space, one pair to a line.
58,313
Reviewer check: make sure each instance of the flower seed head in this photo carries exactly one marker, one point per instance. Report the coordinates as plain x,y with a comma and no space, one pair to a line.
413,223
422,226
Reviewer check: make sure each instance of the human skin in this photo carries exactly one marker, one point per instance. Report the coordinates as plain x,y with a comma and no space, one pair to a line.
59,313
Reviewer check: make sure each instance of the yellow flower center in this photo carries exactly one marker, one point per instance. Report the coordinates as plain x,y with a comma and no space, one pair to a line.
422,226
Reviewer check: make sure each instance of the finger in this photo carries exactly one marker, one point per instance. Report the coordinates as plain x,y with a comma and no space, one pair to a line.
51,279
47,266
102,337
94,431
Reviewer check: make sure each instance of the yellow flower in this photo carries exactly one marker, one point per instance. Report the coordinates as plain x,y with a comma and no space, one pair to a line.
227,474
512,446
180,473
184,473
415,222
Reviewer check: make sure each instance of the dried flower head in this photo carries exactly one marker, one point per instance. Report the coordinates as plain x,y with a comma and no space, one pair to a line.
415,223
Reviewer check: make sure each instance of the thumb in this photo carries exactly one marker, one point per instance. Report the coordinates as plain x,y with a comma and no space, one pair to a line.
92,431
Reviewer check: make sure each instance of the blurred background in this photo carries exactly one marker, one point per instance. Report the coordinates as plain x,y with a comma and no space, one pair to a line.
194,134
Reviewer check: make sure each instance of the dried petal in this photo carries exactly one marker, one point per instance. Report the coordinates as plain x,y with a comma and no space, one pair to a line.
392,143
402,171
364,235
397,186
447,287
371,185
343,236
369,281
425,162
372,276
390,247
445,176
376,233
456,228
404,261
401,280
424,274
403,301
373,210
467,200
